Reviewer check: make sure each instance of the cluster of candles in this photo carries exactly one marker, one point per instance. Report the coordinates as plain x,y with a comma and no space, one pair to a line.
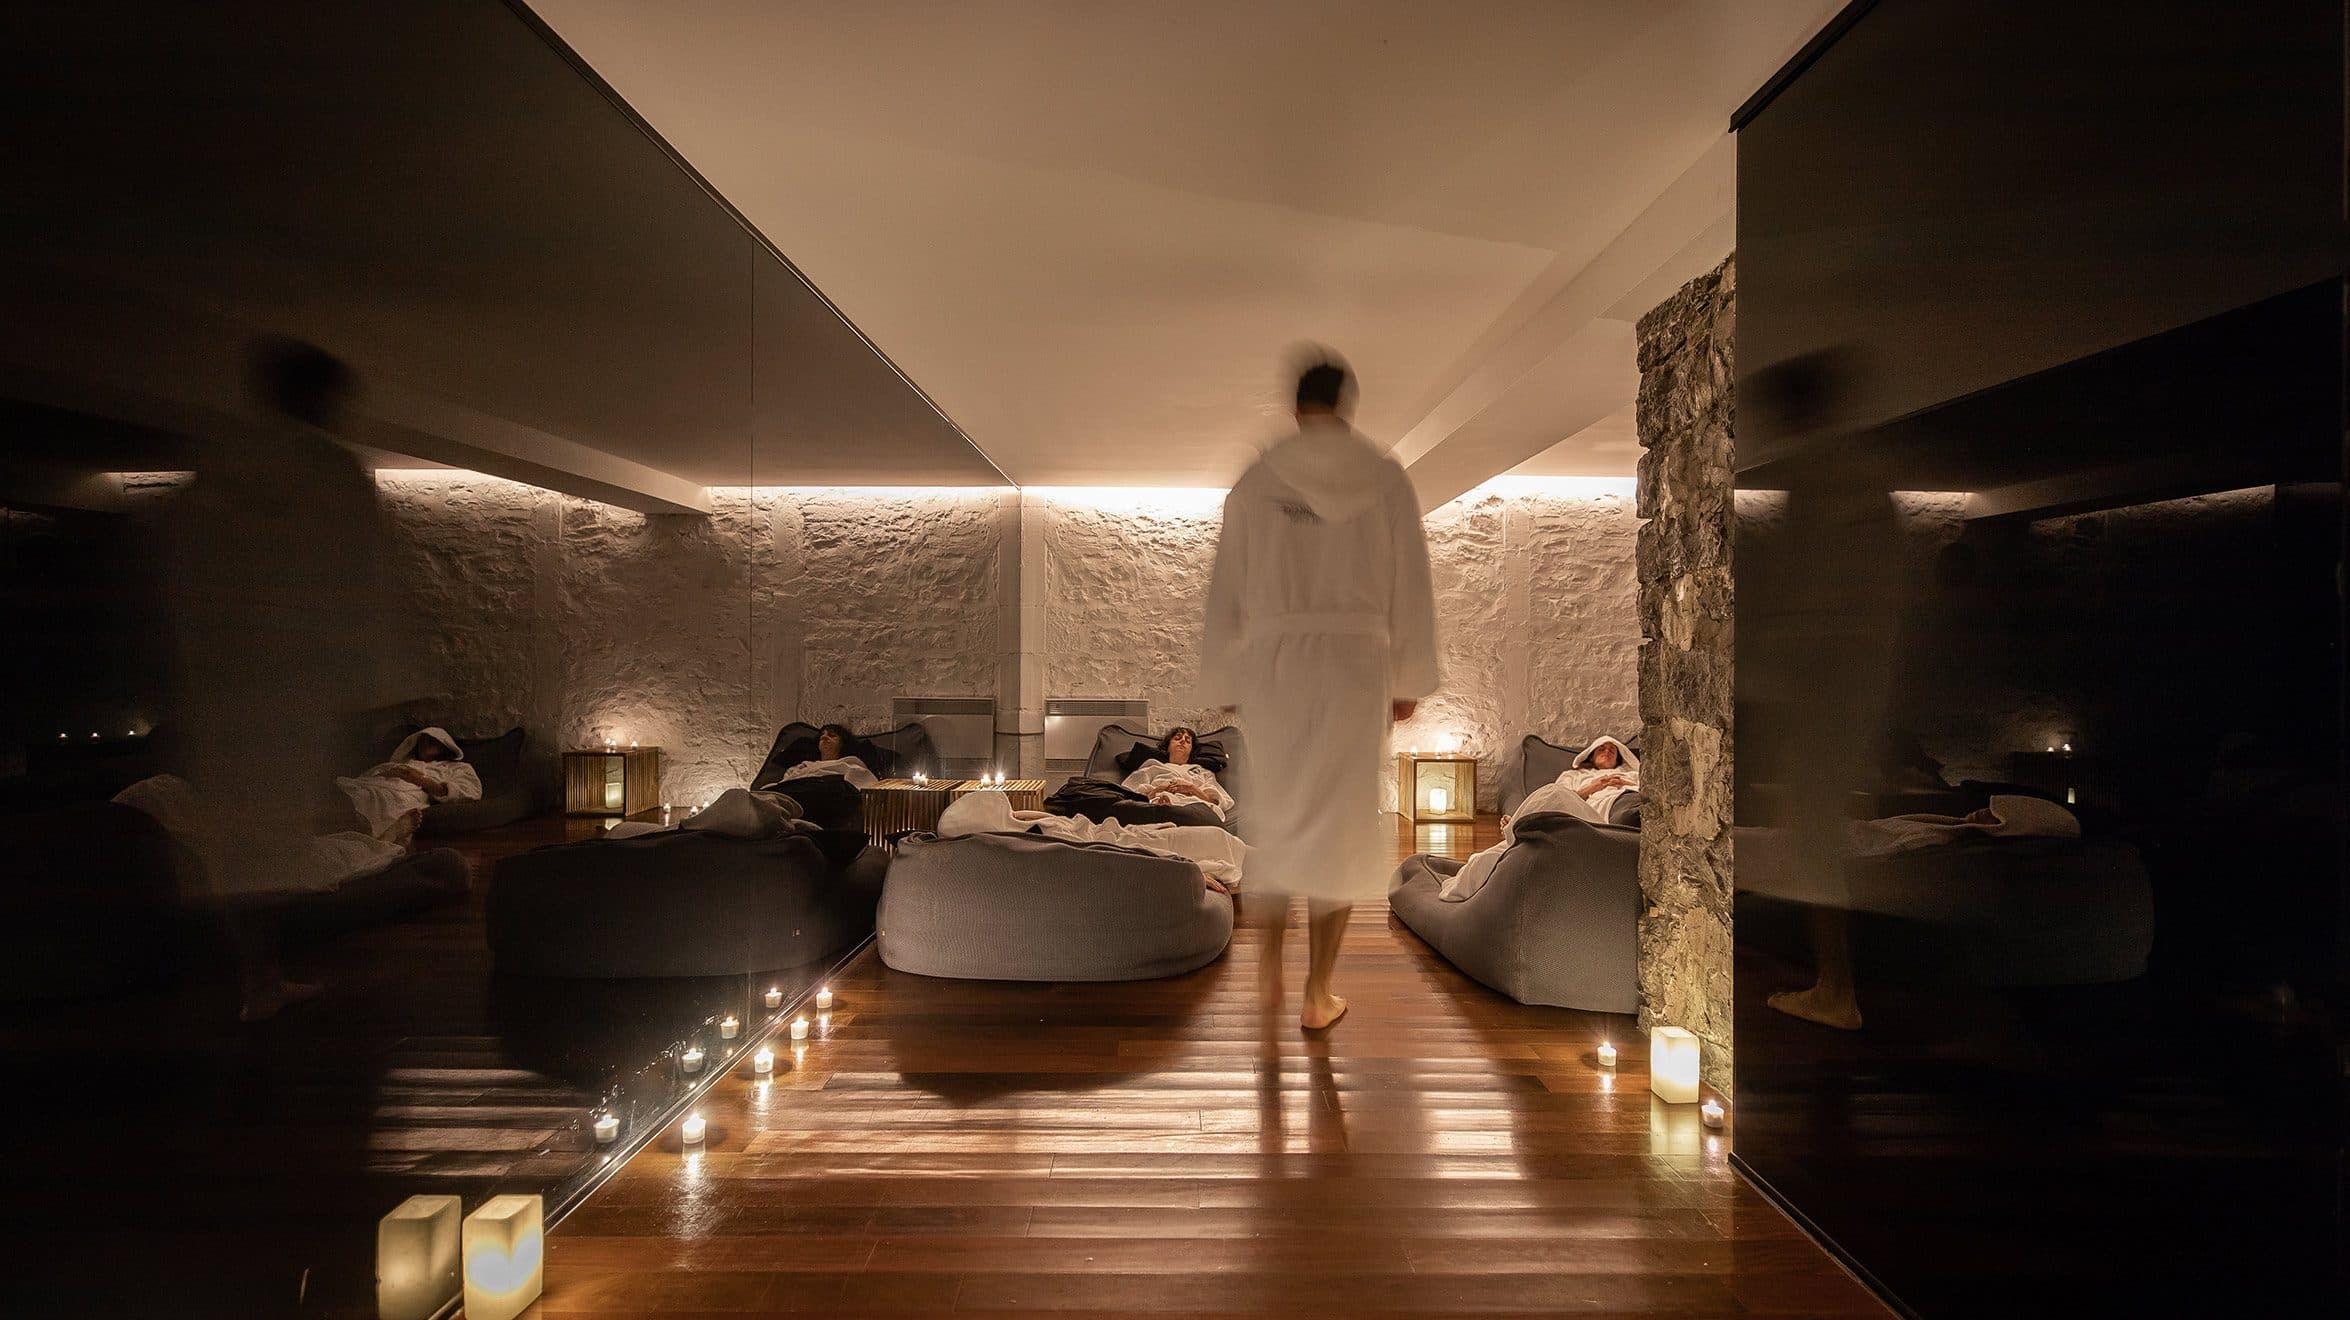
127,733
425,1257
992,779
1672,1070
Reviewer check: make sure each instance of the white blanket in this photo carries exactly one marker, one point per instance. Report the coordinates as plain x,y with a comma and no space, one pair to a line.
384,796
851,768
2013,816
1216,852
1164,785
298,863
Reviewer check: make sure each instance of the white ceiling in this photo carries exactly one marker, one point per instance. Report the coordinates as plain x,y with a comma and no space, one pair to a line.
1094,231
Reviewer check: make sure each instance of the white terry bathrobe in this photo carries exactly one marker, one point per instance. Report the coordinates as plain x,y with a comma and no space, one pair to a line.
382,799
1320,614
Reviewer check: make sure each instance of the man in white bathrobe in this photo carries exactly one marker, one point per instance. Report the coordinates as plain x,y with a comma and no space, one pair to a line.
1321,631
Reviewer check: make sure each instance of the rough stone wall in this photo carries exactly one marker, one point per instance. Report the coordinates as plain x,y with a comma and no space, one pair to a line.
701,636
1534,607
1685,420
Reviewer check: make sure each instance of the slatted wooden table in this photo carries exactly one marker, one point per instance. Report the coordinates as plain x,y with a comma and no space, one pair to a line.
1026,794
896,805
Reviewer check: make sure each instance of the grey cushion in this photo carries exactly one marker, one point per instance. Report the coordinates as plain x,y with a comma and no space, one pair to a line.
1020,907
680,903
1558,923
1115,740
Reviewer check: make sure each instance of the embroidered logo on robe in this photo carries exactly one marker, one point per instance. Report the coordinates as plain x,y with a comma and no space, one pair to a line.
1299,513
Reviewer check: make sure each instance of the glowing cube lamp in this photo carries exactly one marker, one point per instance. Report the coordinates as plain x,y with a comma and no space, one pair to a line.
416,1258
505,1257
1672,1065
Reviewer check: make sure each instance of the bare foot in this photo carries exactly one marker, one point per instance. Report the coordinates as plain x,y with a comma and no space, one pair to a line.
1321,1011
1838,1011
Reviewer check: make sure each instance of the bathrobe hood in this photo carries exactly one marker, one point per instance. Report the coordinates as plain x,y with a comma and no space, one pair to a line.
1630,760
1326,469
406,751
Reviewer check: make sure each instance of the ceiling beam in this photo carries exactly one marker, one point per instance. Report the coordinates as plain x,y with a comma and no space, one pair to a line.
1560,361
398,420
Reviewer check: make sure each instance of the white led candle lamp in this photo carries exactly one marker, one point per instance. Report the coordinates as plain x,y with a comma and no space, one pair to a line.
773,998
763,1063
416,1263
1607,1054
799,1028
607,1129
1712,1112
824,997
729,1027
693,1129
1673,1065
691,1060
505,1257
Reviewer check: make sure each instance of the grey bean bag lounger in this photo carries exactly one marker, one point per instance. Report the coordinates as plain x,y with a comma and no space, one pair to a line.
1021,907
1557,924
682,903
1105,769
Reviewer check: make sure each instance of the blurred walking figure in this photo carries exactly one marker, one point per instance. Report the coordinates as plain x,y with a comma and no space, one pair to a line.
274,558
1321,630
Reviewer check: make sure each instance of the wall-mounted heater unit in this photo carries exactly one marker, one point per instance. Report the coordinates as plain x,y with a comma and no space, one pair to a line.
1072,723
962,731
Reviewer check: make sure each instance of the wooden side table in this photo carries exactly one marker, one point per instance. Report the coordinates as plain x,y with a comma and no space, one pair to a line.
1436,787
1026,794
896,805
619,781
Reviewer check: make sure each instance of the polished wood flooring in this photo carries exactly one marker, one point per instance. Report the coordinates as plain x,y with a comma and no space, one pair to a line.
1158,1147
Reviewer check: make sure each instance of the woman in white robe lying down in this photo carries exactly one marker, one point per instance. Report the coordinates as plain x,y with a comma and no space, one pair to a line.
1216,851
1177,781
427,767
1603,772
832,758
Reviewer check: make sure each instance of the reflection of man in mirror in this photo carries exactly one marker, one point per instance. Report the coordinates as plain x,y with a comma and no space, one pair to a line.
276,552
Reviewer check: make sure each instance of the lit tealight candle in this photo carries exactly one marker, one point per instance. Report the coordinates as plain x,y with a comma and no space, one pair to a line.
2068,749
799,1028
728,1026
607,1129
774,997
691,1130
1439,799
1711,1111
824,997
691,1060
1607,1054
632,744
763,1063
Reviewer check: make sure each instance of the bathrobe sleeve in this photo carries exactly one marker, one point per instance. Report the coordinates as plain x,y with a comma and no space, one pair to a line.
1411,621
1221,641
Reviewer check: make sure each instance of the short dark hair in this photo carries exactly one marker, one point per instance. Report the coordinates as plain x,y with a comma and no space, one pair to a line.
298,379
1321,385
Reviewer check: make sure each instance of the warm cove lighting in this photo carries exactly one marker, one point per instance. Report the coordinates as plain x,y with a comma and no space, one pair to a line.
1556,488
1135,499
505,1257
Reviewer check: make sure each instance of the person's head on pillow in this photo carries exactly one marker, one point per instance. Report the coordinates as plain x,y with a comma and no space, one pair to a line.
1176,750
832,742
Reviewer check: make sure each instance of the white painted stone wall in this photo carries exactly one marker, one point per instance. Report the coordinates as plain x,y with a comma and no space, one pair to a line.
1534,604
702,636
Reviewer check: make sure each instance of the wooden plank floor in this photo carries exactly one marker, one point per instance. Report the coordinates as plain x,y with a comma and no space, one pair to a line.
1157,1147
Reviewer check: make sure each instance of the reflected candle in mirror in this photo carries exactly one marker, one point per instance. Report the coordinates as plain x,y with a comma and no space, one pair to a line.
774,997
799,1028
763,1063
728,1027
824,997
607,1129
692,1129
691,1060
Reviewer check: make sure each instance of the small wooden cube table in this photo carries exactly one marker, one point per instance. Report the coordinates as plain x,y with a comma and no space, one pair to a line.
894,806
1436,787
611,781
1026,794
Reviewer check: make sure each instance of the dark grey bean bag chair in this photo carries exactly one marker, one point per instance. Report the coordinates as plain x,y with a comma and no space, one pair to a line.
1021,907
899,753
682,903
1116,748
1557,924
506,794
1538,762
